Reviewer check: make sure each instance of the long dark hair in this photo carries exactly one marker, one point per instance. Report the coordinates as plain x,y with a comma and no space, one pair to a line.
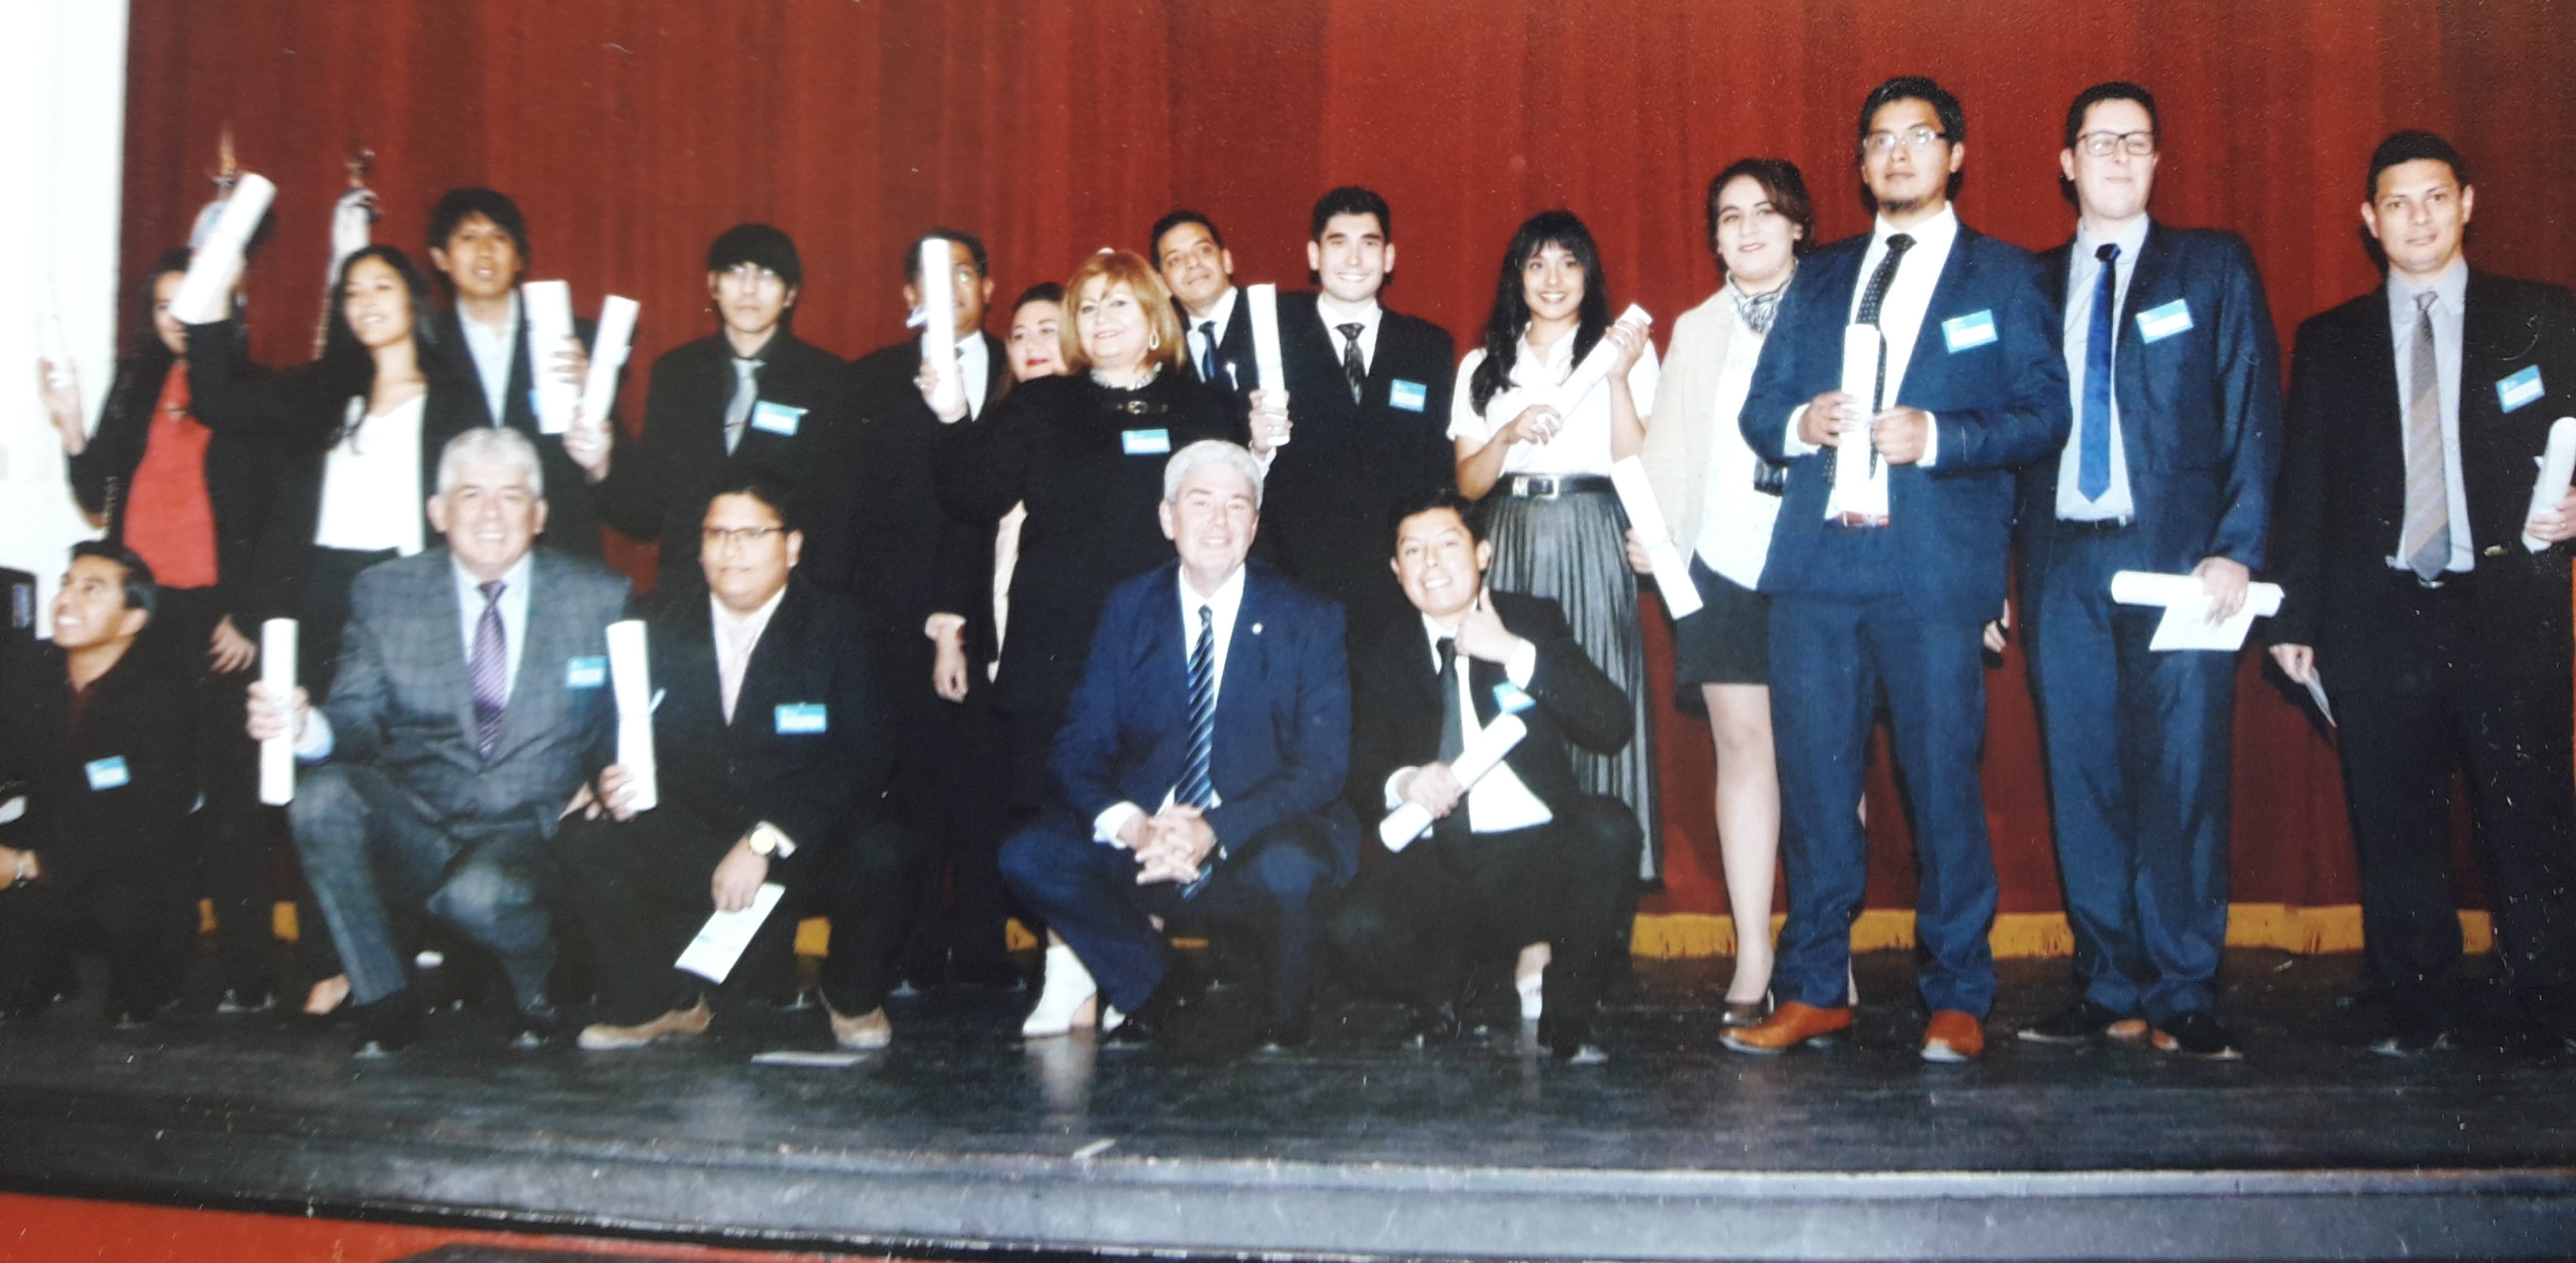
1511,312
149,351
347,368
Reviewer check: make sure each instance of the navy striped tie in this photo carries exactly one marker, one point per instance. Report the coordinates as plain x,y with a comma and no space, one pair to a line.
1197,788
490,670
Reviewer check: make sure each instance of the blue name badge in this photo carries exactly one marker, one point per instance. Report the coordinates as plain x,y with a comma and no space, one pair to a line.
2159,323
2521,389
800,718
1145,442
777,418
1975,329
1509,698
107,773
585,673
1410,396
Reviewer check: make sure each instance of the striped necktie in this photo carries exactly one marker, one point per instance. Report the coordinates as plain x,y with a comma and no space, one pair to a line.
1197,787
2425,545
490,670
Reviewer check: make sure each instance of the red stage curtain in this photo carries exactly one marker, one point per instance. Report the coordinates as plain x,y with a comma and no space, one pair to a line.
633,131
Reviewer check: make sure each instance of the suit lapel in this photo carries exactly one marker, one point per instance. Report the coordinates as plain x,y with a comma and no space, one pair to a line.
516,411
1957,271
532,697
447,637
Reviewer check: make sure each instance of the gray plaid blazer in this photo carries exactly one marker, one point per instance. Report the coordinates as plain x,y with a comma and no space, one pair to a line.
404,704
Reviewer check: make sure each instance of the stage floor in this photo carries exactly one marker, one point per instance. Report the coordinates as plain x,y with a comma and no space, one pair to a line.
963,1137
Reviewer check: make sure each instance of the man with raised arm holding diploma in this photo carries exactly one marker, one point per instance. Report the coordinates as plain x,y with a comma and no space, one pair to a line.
478,241
1970,386
2174,374
772,761
471,701
1199,270
1524,855
1368,390
2416,415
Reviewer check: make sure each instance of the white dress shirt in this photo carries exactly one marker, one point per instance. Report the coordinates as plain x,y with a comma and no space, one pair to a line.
2083,280
2450,303
1735,520
1582,442
1330,313
1499,802
316,741
493,350
736,636
1223,604
1203,349
1900,317
974,368
371,482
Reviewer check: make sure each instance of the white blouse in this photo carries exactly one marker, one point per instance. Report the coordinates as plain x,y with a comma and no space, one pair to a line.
1582,443
371,482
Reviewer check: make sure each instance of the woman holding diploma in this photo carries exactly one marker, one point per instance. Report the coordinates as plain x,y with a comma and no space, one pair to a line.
1542,463
1711,486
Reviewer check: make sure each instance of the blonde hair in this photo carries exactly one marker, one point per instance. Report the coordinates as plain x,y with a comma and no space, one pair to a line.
1123,267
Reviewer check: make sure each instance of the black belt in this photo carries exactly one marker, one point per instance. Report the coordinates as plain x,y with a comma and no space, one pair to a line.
1551,486
2094,526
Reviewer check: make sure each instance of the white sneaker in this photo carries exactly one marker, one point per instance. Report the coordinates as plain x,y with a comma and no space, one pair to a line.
1531,1003
1067,985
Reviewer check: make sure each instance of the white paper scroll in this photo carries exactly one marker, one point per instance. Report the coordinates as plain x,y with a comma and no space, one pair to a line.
1860,480
549,308
1596,365
608,351
1483,754
1261,304
2556,470
277,676
1672,569
711,955
630,678
53,344
2186,622
217,265
939,323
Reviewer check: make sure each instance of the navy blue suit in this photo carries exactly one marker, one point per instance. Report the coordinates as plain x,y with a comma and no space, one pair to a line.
2136,741
1280,754
1900,605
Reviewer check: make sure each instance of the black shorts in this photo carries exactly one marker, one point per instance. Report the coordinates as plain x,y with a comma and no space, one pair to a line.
1727,642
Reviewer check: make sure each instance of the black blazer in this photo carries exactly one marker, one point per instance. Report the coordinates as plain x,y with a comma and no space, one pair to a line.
1325,506
141,712
1395,706
813,785
910,559
2342,496
1057,444
572,514
301,416
1237,373
658,487
239,470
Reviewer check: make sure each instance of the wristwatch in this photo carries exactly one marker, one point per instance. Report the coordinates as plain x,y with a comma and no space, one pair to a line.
767,842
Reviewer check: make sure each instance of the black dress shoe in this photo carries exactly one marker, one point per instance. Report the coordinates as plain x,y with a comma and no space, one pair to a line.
1152,1020
239,1001
1435,1024
2197,1034
1569,1039
540,1024
387,1026
2082,1022
1283,1035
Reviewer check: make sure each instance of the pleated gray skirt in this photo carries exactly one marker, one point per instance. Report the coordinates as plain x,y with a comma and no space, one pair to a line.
1573,550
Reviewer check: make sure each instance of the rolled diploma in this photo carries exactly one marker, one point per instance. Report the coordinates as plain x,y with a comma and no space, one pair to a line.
2141,587
549,307
939,322
1261,303
1856,488
1482,755
1596,365
277,675
1672,571
53,344
631,683
218,263
608,353
2556,468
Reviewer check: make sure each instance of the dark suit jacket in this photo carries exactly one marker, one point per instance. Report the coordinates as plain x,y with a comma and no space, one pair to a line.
1998,406
1283,711
812,785
572,514
404,703
142,712
240,471
2343,479
303,416
658,487
1325,505
1395,712
1237,373
2200,411
910,558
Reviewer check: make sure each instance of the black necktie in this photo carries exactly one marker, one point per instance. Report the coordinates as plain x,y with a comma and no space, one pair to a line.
1453,727
1875,297
1352,368
1207,355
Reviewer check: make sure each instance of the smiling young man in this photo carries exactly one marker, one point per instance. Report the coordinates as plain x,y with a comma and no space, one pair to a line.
1190,254
2431,604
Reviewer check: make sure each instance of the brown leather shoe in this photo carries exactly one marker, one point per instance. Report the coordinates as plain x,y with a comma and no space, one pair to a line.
1789,1026
1953,1036
602,1037
867,1030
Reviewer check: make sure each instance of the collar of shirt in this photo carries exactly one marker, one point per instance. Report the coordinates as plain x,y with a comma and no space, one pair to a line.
1221,311
1368,316
1532,367
514,610
742,631
2131,239
2451,292
1909,297
492,351
1225,602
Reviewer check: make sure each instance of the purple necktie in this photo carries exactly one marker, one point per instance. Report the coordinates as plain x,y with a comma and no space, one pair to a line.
490,669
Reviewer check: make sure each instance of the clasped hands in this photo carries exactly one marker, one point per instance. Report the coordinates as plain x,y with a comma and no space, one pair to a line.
1899,434
1169,845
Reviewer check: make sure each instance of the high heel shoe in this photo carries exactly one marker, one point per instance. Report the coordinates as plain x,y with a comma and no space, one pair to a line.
1746,1014
1061,998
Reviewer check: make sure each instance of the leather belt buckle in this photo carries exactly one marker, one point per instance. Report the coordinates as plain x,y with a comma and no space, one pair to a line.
1535,486
1858,521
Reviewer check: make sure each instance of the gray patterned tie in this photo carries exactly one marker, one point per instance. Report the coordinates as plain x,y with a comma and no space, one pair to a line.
2425,544
490,670
746,390
1354,369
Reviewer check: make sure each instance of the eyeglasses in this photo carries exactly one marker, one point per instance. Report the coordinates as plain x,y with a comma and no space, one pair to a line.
2100,144
715,537
1878,144
754,276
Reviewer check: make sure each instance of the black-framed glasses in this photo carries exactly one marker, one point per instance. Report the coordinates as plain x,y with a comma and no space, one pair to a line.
1877,144
715,537
2101,144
